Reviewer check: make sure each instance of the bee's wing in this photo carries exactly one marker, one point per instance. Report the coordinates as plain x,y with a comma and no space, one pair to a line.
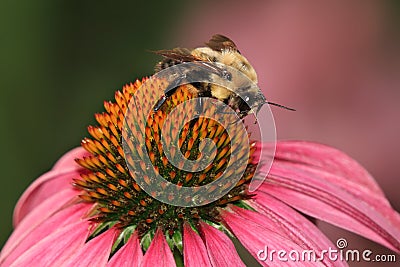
177,54
220,42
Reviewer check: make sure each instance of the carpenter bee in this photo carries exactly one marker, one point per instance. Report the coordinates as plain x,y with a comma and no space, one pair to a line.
219,49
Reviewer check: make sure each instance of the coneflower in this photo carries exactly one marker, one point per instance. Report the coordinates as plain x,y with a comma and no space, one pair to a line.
91,209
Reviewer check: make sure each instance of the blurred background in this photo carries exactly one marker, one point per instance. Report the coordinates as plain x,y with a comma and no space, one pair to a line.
337,63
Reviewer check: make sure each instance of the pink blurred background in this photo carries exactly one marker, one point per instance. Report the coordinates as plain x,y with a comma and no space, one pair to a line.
336,62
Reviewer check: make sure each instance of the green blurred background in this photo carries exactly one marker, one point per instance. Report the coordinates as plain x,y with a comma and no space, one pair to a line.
60,60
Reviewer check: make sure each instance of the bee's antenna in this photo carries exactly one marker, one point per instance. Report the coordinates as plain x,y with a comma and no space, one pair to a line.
280,106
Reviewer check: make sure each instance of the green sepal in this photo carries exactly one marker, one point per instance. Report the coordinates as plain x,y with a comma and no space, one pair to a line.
244,205
170,241
177,238
145,241
102,227
178,257
123,238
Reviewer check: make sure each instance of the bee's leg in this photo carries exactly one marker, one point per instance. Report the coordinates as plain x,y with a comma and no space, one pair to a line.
167,93
240,116
171,89
236,121
226,112
160,102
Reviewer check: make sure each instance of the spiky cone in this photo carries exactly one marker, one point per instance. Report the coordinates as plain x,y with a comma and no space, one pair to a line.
96,214
114,186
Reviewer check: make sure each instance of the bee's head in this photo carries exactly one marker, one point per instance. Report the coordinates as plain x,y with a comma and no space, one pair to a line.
247,100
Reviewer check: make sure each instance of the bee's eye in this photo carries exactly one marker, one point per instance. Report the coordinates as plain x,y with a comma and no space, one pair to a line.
243,105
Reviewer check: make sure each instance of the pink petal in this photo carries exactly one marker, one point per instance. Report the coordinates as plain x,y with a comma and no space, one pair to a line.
130,255
28,233
277,216
331,192
373,199
256,237
159,253
42,212
194,251
55,248
68,159
220,248
44,187
95,252
328,159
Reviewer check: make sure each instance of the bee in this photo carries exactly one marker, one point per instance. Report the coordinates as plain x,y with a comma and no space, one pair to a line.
219,49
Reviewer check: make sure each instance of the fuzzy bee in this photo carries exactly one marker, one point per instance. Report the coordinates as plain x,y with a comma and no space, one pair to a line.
219,49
